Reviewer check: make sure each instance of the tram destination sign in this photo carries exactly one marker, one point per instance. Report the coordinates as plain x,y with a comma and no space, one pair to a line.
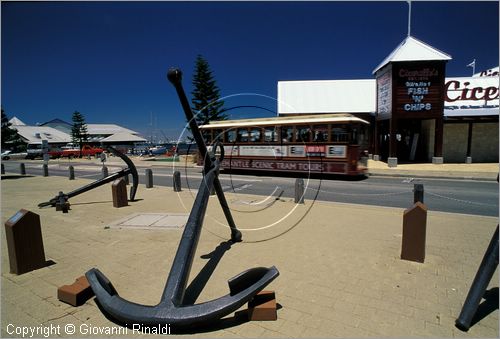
284,166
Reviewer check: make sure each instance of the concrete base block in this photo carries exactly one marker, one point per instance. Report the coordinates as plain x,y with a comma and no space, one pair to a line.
376,157
77,293
468,160
437,160
392,162
263,307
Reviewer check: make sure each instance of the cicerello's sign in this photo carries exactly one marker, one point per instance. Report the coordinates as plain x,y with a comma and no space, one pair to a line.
471,91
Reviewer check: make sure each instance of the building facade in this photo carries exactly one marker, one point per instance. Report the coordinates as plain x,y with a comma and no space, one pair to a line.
416,113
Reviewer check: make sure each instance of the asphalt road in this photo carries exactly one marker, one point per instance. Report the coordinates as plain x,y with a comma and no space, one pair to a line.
455,196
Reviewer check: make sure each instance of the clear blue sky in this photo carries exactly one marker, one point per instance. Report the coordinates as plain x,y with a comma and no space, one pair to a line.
108,60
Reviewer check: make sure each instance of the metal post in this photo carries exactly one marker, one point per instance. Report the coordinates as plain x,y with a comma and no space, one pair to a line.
45,170
418,193
149,178
22,168
71,172
479,285
3,169
177,181
299,191
104,171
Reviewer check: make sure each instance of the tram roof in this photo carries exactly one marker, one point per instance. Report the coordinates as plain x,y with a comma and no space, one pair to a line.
286,120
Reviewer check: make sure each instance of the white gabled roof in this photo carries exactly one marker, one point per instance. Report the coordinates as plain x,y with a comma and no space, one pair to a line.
16,122
123,137
35,134
93,129
327,96
412,49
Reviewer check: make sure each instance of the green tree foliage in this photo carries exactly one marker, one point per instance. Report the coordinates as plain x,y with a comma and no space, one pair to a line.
79,133
206,102
10,138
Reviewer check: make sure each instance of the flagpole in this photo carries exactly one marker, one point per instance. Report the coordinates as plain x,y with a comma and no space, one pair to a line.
409,17
473,65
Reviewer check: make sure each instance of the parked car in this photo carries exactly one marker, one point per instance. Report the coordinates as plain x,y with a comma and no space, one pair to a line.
34,151
72,152
8,154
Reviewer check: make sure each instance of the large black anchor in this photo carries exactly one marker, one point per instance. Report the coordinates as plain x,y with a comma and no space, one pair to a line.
173,309
60,201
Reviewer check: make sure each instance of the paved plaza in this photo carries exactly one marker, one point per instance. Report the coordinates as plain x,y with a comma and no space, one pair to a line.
340,271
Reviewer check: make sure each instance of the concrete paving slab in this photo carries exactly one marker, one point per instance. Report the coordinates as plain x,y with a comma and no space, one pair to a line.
152,220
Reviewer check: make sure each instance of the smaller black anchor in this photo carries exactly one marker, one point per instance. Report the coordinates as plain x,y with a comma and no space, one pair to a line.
61,202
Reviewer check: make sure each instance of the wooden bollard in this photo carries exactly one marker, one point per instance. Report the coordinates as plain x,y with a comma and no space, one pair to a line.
71,172
77,293
149,178
24,242
414,233
22,169
119,192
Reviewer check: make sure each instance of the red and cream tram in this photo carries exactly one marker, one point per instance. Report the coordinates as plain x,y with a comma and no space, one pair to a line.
329,143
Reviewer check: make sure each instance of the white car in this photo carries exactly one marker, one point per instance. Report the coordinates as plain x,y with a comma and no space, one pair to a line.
6,155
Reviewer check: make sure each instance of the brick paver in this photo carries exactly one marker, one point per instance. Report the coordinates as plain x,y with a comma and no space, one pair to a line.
340,272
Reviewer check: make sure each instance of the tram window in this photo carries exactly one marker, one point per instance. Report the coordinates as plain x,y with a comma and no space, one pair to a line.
271,134
218,135
231,136
207,136
287,134
320,133
340,134
354,136
303,134
255,135
242,135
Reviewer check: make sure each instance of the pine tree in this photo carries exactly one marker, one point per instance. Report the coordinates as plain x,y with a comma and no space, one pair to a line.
10,138
206,102
79,133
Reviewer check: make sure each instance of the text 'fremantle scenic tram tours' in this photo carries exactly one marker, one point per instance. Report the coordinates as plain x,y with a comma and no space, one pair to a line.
329,144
